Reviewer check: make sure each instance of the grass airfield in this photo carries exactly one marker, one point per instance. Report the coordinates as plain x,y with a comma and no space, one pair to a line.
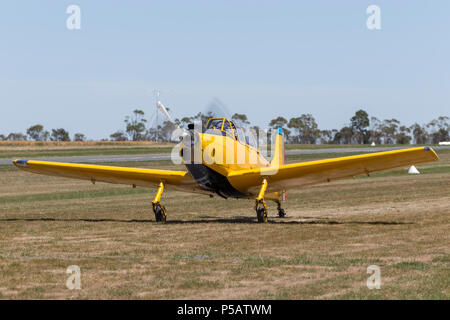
214,249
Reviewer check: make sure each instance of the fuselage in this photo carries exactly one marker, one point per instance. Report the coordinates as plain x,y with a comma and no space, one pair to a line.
211,155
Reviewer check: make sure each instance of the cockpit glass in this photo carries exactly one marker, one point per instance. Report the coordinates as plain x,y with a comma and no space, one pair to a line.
241,135
231,130
251,140
227,128
215,123
226,125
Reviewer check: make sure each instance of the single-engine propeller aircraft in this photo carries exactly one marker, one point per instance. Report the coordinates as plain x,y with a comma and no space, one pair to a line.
221,159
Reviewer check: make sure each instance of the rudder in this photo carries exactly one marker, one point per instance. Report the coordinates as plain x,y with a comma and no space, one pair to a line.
278,156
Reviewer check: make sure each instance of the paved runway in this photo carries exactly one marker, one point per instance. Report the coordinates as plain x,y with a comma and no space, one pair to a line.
166,156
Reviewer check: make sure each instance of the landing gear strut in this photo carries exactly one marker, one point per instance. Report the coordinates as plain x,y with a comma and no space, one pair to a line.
260,204
281,212
158,208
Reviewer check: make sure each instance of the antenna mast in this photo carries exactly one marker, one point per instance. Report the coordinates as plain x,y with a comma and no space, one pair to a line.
157,92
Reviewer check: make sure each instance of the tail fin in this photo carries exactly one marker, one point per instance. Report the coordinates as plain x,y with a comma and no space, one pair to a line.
278,155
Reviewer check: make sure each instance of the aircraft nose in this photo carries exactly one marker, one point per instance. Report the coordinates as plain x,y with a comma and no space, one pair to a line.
191,147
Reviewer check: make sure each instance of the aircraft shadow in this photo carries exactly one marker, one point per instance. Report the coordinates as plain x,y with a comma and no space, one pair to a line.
241,220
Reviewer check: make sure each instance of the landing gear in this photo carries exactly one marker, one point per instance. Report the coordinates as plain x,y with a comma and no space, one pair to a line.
260,204
281,212
158,208
160,213
261,214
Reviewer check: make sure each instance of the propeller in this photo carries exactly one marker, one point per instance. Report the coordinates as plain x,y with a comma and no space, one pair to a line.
217,109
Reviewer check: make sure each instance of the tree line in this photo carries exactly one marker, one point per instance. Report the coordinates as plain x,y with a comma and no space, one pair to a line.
361,129
37,133
304,129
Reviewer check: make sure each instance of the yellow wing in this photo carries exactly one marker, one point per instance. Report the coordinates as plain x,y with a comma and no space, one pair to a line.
120,175
307,173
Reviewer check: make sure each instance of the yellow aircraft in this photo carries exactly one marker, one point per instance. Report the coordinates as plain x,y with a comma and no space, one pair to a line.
221,159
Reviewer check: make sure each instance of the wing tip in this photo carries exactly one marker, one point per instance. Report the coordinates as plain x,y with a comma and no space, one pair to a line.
20,163
433,153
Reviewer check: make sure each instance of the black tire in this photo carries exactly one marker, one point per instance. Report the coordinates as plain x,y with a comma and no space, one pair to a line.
281,213
160,213
261,215
163,214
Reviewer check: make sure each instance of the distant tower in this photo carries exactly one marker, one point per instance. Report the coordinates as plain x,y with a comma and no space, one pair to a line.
154,125
154,120
157,118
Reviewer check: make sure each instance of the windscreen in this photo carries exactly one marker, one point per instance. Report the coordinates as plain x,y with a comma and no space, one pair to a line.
215,123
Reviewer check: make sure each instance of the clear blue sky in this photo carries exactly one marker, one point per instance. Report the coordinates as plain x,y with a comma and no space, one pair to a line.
262,58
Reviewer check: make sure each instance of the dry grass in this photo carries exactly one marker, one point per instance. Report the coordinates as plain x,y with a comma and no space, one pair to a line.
213,248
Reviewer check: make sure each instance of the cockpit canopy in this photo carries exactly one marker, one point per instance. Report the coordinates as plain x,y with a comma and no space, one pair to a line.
223,126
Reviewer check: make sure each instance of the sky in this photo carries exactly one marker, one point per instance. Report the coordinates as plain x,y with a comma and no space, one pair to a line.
262,58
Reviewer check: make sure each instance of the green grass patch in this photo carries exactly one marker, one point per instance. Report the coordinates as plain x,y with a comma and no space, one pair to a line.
302,260
121,292
200,284
178,256
404,172
411,265
444,258
8,168
318,156
82,152
257,262
73,195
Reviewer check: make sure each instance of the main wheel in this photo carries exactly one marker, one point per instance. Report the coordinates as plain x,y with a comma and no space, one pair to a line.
160,213
261,214
281,213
